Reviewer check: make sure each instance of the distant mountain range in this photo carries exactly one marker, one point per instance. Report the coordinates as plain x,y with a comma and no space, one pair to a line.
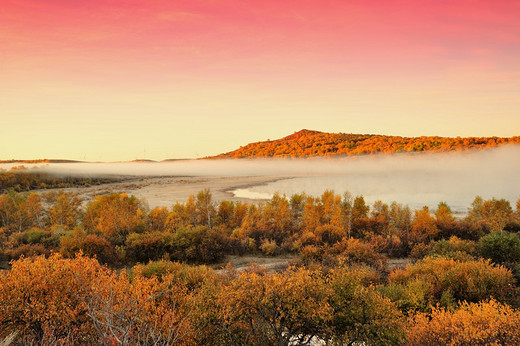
308,143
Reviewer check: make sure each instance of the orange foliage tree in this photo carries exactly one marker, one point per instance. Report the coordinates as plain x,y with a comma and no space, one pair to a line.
20,211
424,227
114,215
65,210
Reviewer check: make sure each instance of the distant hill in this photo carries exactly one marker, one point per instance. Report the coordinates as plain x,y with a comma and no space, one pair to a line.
40,161
143,161
308,143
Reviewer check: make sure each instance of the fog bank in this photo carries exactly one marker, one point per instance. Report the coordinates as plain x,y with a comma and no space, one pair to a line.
414,179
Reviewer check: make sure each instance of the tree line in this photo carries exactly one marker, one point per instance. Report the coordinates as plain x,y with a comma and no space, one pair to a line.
120,230
20,179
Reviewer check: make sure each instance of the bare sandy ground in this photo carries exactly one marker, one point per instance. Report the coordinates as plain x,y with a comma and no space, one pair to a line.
271,264
166,191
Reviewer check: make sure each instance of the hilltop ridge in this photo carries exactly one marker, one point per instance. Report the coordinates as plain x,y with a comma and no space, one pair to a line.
311,143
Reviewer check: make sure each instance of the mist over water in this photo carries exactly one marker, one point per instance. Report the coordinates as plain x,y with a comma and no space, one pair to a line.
412,179
415,180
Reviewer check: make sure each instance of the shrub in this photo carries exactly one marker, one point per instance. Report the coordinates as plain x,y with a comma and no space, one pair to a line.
356,251
37,298
500,247
453,248
449,281
143,247
192,277
269,247
26,250
483,323
276,308
91,245
78,301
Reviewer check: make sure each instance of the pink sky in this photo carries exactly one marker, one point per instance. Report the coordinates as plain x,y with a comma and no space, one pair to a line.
116,80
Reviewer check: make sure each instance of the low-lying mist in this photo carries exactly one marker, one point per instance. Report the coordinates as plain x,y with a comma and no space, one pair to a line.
413,179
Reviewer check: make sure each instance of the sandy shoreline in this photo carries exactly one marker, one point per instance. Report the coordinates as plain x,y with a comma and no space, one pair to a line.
166,191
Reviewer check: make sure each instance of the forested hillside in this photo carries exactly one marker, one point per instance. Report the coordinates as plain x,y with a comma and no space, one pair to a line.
306,143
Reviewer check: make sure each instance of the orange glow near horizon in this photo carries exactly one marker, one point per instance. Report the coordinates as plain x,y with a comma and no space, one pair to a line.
119,80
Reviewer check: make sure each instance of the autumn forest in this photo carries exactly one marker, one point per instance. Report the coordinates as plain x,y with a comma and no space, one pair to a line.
308,143
113,271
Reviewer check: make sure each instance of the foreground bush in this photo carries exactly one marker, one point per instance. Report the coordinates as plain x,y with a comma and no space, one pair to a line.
78,301
298,306
484,323
448,282
256,308
37,298
361,314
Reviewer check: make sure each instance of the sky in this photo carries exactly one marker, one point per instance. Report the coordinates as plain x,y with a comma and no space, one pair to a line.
117,80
